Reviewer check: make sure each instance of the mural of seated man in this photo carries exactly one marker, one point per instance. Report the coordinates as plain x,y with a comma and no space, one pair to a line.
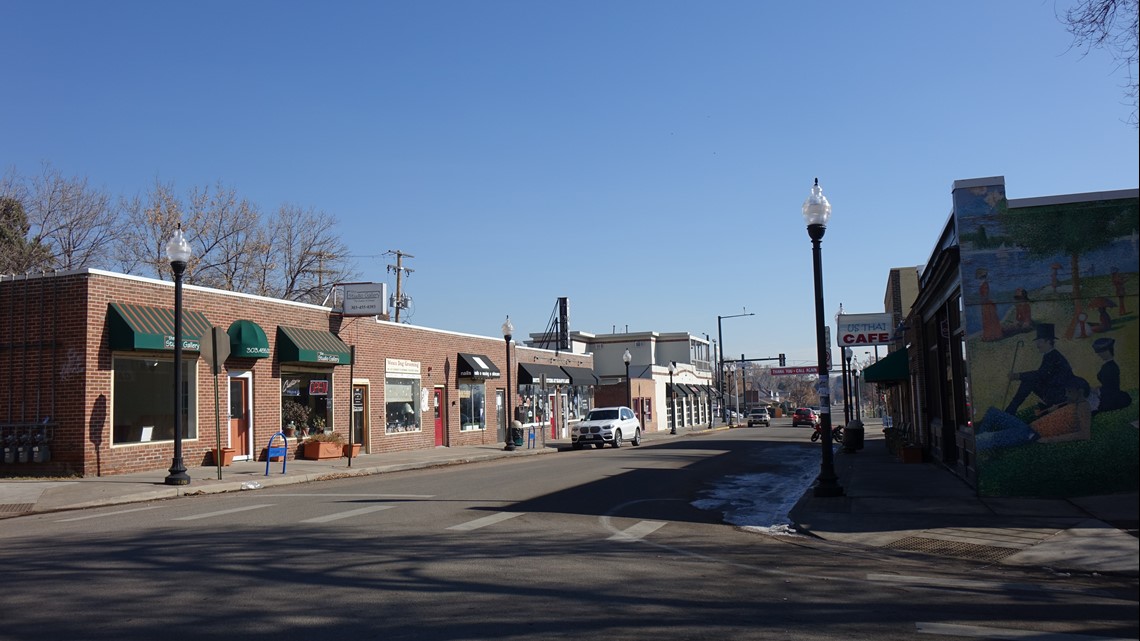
1070,420
1047,382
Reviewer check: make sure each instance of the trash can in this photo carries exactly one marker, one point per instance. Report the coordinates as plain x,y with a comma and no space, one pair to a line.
853,436
517,433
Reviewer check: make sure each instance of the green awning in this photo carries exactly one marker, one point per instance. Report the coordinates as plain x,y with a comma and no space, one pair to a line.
247,340
133,327
296,345
893,367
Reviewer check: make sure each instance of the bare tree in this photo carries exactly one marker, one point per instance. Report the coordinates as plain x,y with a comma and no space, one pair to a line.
309,256
76,222
1111,25
150,223
225,255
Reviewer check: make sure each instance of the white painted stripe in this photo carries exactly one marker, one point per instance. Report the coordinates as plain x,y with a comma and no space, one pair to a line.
942,582
980,632
362,496
223,512
485,521
348,514
638,531
99,516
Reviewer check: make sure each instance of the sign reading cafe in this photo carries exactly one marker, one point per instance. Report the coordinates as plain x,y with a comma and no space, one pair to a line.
864,329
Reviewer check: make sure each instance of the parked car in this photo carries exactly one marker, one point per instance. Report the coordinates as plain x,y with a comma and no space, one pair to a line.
759,416
606,425
805,416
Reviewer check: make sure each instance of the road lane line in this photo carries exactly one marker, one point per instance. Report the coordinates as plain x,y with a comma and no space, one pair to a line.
981,632
638,531
485,521
99,516
222,512
348,514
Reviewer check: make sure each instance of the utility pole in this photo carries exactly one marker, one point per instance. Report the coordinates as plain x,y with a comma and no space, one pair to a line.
399,302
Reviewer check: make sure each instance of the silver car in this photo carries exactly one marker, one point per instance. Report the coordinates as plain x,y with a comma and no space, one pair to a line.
606,425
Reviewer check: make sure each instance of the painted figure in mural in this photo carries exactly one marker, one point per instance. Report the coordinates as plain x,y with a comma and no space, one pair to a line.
1118,286
1022,314
1104,321
991,322
1069,420
1108,396
1048,380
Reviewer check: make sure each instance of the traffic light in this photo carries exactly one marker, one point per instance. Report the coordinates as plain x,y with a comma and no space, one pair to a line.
781,360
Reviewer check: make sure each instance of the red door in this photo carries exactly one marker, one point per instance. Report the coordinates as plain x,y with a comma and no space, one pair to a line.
239,417
437,407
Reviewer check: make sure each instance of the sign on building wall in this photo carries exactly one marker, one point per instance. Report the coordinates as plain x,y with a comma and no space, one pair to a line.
365,299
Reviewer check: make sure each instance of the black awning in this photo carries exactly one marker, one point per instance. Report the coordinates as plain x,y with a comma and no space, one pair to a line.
677,389
581,376
695,390
893,367
535,373
475,366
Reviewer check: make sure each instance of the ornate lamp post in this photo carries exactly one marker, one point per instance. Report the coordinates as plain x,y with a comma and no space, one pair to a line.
848,397
672,399
178,252
508,330
816,212
732,417
626,358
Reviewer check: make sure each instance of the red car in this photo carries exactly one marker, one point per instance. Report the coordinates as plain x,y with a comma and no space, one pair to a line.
805,416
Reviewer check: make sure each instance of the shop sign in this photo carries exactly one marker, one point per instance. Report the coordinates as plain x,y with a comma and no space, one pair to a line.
864,329
401,367
187,344
365,299
318,388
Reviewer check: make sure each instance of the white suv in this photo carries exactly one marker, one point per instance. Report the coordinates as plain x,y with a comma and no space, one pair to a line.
606,425
759,416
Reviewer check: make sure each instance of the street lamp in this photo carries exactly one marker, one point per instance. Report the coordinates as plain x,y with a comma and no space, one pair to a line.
732,418
672,399
816,212
720,348
509,329
626,358
178,252
848,397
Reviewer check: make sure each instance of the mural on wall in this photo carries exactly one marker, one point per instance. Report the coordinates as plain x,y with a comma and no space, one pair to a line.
1051,296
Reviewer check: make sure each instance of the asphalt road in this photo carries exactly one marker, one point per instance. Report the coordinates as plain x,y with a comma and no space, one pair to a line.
596,544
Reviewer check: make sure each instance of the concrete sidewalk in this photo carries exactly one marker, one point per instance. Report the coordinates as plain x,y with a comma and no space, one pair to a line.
920,508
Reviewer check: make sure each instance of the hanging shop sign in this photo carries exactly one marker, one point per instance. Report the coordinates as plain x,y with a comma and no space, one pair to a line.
864,329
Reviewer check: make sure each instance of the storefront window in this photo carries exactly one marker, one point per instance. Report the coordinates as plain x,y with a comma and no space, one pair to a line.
401,404
472,406
143,406
305,401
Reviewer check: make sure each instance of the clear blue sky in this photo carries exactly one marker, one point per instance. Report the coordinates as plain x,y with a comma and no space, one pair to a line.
646,159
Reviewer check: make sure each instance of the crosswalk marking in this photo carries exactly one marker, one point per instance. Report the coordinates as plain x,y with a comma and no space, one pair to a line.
222,512
485,521
99,516
981,632
637,531
348,514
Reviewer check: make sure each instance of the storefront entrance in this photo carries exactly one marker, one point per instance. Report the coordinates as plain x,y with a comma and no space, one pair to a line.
240,433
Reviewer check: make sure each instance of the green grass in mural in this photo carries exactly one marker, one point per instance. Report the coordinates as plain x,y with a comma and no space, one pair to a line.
1106,463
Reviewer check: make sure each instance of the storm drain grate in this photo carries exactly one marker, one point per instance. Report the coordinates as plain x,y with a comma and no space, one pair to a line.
16,508
952,548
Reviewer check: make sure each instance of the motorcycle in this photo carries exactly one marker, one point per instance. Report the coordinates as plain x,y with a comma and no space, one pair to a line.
836,434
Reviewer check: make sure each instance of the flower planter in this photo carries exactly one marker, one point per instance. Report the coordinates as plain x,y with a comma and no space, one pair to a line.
227,457
355,450
319,450
910,454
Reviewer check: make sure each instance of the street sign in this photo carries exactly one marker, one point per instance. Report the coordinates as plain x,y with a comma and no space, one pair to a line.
215,348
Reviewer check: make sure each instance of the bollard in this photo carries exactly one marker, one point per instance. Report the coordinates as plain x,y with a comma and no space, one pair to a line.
853,436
